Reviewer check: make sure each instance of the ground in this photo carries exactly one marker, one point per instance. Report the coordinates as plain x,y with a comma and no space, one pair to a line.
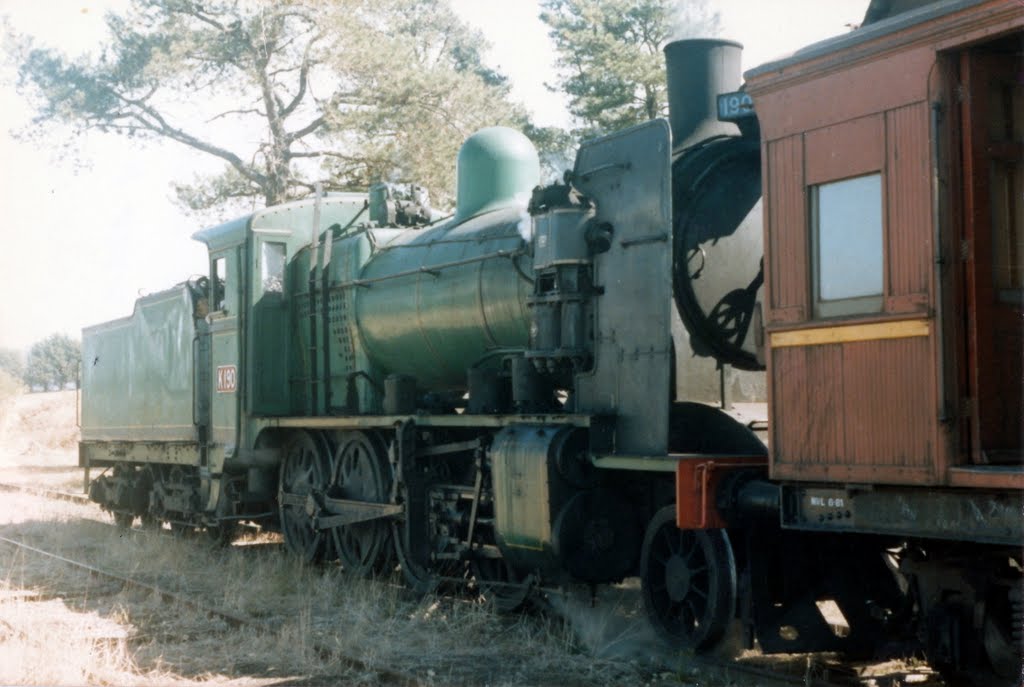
316,616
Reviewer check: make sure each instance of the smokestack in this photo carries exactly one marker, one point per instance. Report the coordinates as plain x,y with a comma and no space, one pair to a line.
698,71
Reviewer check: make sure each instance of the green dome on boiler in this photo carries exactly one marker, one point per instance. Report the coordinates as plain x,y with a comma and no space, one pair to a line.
497,167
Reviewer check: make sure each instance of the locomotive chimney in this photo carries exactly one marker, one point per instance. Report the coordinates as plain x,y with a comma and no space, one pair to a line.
698,71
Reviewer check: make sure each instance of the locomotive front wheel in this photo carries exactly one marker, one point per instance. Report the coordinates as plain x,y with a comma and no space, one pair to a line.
360,471
688,582
303,471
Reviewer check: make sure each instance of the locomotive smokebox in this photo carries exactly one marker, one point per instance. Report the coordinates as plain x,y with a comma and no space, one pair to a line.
716,211
698,70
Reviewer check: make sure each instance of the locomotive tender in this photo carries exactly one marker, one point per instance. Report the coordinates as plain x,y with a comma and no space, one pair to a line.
501,395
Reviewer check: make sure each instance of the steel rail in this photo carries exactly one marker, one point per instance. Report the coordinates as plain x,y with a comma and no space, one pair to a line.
234,620
46,493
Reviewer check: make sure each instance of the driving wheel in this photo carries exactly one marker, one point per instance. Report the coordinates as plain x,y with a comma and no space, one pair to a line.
360,472
303,473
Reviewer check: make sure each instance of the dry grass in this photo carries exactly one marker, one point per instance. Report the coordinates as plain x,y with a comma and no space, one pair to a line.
104,634
318,615
39,429
10,387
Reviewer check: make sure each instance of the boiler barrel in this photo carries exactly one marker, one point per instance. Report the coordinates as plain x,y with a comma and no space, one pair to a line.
438,301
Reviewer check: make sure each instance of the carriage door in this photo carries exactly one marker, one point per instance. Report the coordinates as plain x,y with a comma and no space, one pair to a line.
992,112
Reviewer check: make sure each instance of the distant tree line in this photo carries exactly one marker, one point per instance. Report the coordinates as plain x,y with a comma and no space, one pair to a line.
52,363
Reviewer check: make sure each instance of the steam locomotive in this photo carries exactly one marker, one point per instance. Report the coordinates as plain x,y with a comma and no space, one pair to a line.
545,386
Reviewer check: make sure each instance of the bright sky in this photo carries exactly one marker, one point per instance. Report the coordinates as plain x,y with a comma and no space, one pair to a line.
80,245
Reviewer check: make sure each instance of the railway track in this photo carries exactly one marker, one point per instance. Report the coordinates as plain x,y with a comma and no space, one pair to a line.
385,676
45,493
752,672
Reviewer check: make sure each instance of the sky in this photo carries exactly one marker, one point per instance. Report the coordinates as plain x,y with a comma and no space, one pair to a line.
81,241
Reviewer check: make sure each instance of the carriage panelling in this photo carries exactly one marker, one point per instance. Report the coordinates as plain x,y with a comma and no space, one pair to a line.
864,90
909,250
867,414
787,241
871,410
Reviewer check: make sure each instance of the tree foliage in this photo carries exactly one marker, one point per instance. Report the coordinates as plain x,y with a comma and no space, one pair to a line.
609,55
285,94
53,362
12,362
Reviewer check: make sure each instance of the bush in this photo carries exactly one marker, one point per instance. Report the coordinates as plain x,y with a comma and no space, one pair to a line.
10,386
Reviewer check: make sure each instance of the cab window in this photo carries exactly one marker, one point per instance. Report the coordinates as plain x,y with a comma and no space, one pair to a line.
272,267
218,283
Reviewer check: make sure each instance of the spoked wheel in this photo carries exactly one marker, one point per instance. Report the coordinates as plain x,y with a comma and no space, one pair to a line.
303,471
415,540
500,585
688,581
149,520
360,471
419,574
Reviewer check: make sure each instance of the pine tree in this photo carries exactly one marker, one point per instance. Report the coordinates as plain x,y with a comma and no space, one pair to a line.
609,55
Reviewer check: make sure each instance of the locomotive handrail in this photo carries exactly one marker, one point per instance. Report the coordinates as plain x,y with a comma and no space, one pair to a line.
78,397
432,269
611,166
195,340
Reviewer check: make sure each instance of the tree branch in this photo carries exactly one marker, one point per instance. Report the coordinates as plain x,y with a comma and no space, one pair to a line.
230,112
158,124
306,130
303,77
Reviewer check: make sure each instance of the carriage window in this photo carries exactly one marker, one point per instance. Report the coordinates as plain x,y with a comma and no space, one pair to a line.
220,280
272,267
846,238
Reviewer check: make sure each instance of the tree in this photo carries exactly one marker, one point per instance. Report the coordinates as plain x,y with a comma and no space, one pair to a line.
12,370
53,362
286,94
609,55
12,362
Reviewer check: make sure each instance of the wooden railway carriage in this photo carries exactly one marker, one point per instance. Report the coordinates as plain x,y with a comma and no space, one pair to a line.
895,250
893,171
